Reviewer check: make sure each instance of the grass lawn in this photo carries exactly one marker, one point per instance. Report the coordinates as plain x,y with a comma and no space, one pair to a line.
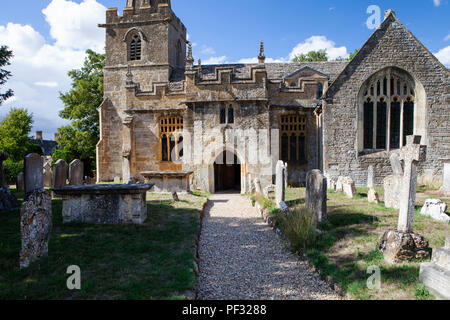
348,246
152,261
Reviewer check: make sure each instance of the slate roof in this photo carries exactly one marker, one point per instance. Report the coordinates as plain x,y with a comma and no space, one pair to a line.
275,71
48,146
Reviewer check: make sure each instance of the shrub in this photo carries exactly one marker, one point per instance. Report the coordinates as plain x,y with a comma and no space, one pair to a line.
12,169
299,227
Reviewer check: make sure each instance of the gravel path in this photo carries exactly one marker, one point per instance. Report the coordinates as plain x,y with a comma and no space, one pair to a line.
241,258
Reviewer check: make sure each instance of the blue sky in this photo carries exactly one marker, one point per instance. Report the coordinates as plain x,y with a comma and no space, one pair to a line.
49,37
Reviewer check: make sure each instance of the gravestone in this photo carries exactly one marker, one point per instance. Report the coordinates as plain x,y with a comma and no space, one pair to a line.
372,195
435,208
392,190
340,185
446,187
286,176
33,173
116,179
435,275
279,185
396,164
269,192
316,195
3,184
346,185
403,244
20,183
48,175
60,174
35,227
257,183
76,171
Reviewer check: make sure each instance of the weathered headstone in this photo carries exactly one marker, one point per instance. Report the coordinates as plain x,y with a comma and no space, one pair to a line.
20,183
33,173
3,184
175,196
402,243
60,174
269,192
340,185
48,175
116,179
35,227
279,185
435,209
286,176
435,275
446,187
347,186
396,164
392,190
257,183
316,195
372,195
76,171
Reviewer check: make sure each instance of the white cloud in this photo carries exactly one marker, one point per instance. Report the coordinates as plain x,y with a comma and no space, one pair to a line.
215,60
207,50
444,56
316,43
437,3
39,68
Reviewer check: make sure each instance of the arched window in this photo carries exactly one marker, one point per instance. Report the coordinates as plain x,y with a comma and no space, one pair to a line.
178,54
293,141
319,91
388,110
223,115
171,130
230,114
135,48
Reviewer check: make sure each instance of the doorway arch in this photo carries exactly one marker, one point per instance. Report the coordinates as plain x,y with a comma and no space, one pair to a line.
227,172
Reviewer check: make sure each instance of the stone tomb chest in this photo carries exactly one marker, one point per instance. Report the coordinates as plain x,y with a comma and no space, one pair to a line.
105,204
169,181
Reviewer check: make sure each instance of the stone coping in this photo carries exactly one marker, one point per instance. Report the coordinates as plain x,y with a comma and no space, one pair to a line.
166,173
104,189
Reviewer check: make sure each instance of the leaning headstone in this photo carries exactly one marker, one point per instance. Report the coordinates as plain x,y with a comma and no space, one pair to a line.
60,174
20,183
279,185
269,192
348,187
340,185
435,208
446,187
48,175
76,171
257,183
33,173
175,196
396,163
316,195
35,227
402,243
435,275
372,196
3,184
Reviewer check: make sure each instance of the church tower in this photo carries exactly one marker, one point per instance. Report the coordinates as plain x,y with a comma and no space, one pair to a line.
148,36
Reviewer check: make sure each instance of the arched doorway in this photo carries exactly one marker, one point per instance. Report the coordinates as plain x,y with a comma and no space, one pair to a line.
227,172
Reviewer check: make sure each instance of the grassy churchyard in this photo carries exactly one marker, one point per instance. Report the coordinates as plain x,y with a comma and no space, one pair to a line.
347,246
151,261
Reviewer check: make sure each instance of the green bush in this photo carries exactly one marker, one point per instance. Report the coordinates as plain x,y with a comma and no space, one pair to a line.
11,170
299,227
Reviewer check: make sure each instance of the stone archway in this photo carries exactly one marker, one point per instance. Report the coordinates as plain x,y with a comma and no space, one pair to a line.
227,172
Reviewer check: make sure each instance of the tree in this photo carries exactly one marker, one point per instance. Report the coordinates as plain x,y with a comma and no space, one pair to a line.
14,131
5,56
352,55
312,56
78,140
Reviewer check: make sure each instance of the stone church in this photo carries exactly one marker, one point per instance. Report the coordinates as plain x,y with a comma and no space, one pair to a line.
217,127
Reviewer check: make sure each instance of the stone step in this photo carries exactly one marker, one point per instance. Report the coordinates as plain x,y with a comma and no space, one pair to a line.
441,257
436,279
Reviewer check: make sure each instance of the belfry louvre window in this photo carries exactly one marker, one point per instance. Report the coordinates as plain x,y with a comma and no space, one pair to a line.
135,48
388,106
293,139
171,139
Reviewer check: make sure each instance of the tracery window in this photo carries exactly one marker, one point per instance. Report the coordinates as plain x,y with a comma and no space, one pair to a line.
135,48
388,106
319,91
293,139
226,114
171,130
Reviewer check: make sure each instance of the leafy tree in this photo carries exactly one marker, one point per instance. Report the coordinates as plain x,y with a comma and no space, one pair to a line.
312,56
78,140
352,55
5,56
14,131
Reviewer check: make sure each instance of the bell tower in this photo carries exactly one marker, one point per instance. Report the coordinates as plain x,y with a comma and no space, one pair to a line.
149,38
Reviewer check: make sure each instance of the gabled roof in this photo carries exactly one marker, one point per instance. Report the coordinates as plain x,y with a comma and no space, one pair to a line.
305,68
389,19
